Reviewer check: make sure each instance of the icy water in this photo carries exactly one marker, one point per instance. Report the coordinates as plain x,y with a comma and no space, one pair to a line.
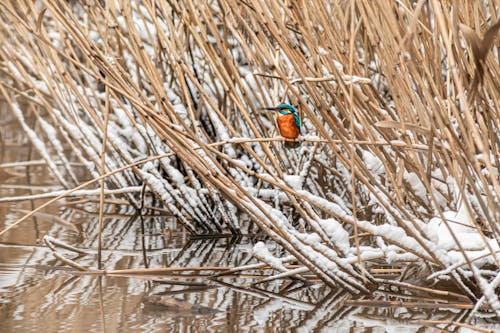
40,294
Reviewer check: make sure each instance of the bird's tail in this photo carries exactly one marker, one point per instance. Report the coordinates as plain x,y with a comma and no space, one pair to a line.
292,144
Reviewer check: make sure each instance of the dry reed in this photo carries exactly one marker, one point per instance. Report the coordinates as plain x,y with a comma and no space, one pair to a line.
166,93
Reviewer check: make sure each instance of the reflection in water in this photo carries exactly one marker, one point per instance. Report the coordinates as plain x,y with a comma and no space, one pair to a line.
34,286
38,293
32,290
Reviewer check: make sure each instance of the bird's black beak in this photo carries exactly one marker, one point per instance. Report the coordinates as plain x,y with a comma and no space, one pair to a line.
269,108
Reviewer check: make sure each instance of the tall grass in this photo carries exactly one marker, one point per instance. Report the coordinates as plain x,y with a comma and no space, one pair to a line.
399,99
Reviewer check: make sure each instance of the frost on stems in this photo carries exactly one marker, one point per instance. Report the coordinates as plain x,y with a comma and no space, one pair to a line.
386,122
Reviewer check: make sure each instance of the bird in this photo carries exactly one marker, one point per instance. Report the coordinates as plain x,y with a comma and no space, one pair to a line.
288,121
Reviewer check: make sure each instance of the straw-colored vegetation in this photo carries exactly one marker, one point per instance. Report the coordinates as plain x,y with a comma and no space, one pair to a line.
398,168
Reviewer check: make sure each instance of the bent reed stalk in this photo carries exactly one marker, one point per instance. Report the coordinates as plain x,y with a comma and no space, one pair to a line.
397,144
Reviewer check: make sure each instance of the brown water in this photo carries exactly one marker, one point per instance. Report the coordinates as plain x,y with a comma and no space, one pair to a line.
39,293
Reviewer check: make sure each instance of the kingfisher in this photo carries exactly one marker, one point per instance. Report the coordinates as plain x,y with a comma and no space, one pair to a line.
288,123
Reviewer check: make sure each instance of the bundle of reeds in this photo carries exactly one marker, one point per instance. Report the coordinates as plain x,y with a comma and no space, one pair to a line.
399,99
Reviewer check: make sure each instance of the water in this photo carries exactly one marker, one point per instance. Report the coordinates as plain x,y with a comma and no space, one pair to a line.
39,293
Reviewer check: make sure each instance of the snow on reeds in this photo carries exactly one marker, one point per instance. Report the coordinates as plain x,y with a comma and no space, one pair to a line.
399,99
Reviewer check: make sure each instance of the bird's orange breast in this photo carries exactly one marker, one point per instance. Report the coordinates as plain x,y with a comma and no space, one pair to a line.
287,126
